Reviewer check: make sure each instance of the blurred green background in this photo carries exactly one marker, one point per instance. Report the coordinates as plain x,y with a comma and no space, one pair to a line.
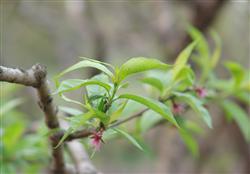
57,33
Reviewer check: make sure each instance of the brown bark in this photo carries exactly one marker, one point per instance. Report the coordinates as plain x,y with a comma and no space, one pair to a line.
36,77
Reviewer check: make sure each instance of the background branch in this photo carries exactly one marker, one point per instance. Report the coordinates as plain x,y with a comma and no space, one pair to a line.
36,77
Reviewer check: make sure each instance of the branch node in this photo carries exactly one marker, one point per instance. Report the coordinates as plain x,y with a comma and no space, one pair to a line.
40,73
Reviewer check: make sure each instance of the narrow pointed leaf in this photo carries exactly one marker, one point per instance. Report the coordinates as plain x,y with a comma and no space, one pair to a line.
10,105
72,101
196,105
140,64
154,105
217,52
202,45
73,84
115,115
190,142
240,116
182,59
154,82
70,111
130,138
97,61
84,64
237,72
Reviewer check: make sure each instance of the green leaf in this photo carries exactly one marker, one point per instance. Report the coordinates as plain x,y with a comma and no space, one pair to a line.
97,61
12,134
193,127
202,46
190,142
185,78
75,122
70,111
140,64
243,96
130,138
153,82
84,64
237,72
187,137
101,115
115,115
182,59
96,97
10,105
154,105
239,115
73,84
72,101
197,106
217,52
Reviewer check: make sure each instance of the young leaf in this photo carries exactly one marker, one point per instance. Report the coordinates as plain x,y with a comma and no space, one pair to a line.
185,78
130,138
75,122
237,72
140,64
101,115
115,115
243,96
153,82
84,64
202,46
12,134
97,61
72,101
187,137
154,105
190,142
73,84
239,115
70,111
196,105
182,59
217,52
10,105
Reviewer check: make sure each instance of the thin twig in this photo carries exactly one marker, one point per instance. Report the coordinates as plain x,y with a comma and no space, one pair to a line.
136,115
84,133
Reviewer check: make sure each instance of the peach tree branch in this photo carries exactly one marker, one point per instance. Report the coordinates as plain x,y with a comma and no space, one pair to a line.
36,77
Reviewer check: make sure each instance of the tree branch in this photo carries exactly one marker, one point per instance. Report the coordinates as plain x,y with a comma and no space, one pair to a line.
80,157
36,77
87,132
20,76
136,115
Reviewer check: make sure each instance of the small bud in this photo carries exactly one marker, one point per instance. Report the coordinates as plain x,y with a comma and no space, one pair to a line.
177,108
97,139
201,92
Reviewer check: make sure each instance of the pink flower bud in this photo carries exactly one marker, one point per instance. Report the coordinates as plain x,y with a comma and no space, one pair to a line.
177,108
201,92
96,140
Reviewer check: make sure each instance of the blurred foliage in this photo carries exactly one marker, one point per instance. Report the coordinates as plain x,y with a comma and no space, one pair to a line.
23,150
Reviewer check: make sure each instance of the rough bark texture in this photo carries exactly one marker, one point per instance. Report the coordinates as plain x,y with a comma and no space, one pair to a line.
36,77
